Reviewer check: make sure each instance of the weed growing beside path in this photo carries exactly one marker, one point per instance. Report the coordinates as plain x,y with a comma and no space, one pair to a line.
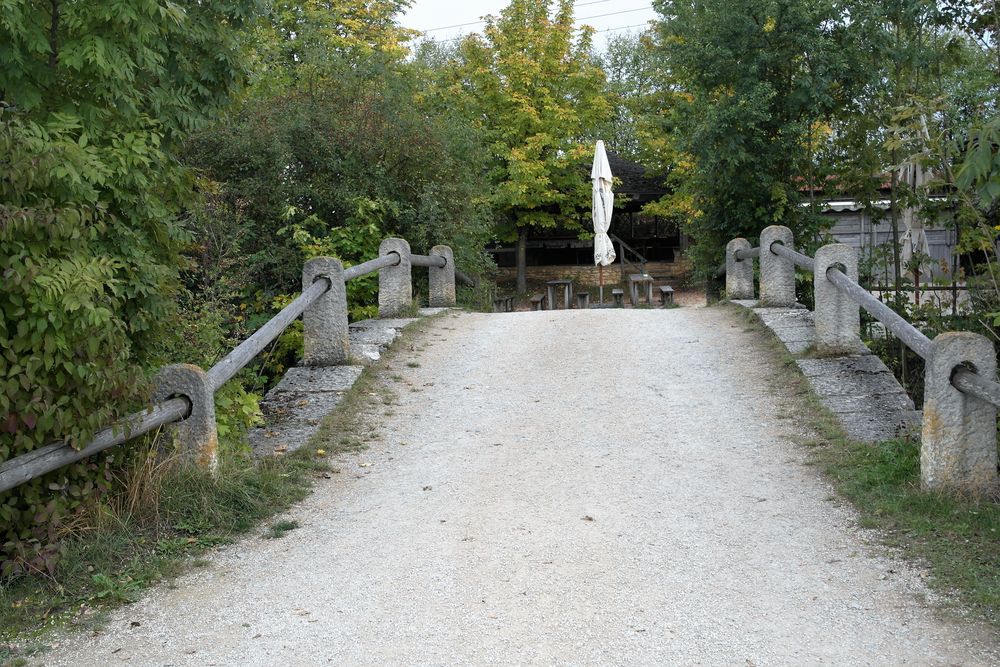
165,516
955,539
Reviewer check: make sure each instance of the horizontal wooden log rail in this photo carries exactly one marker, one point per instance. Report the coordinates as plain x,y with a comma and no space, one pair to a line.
958,444
323,296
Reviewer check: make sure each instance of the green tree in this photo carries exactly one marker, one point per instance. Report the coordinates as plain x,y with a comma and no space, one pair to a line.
635,88
335,168
299,44
93,97
754,77
531,84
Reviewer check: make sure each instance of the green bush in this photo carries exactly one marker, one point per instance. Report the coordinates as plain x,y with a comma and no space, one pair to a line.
93,98
334,170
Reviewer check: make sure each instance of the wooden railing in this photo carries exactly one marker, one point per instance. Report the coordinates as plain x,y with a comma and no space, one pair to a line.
961,394
623,250
185,394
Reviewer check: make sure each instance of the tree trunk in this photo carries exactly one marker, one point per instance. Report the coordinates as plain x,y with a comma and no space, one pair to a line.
894,218
522,260
54,36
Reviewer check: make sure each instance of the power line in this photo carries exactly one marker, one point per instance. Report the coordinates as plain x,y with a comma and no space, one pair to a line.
625,27
624,11
616,29
463,25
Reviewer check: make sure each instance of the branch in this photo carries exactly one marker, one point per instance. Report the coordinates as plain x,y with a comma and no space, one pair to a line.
54,36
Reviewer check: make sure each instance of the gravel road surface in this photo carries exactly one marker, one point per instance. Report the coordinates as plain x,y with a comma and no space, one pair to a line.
602,487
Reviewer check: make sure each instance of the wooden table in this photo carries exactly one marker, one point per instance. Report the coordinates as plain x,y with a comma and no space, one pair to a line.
567,286
636,279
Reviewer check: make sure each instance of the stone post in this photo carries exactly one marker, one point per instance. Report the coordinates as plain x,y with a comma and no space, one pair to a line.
958,451
838,317
739,272
777,274
325,322
441,281
196,436
395,287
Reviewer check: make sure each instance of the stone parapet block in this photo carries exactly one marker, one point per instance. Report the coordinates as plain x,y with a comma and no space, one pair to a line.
325,321
395,286
837,316
739,273
196,436
441,281
958,452
777,274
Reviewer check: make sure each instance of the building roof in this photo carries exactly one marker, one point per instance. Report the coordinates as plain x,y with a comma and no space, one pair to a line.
634,181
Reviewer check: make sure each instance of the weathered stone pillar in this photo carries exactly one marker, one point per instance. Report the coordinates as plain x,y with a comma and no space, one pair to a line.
395,287
196,436
325,322
958,451
838,317
777,274
739,272
441,281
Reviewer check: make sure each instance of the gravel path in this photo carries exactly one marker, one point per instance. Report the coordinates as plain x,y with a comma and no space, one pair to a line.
599,487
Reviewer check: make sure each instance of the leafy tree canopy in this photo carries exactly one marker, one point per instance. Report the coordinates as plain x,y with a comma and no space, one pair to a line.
530,83
756,76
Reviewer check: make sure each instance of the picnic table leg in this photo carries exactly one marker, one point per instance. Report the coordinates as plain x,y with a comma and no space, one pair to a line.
649,292
567,295
551,292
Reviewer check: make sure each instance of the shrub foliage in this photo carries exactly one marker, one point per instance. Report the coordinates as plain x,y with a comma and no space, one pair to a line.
92,97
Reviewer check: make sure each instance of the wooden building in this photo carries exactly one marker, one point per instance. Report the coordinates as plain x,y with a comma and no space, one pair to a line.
639,239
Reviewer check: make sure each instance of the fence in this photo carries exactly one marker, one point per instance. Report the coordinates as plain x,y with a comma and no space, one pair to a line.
958,451
185,393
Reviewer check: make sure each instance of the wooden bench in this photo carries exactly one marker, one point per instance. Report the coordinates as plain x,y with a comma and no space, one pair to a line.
566,285
583,299
619,296
666,295
538,302
503,304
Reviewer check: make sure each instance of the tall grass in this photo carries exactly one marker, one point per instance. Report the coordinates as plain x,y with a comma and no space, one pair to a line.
161,513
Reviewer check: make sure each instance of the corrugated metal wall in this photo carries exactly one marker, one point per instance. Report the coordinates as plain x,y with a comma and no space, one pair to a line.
855,228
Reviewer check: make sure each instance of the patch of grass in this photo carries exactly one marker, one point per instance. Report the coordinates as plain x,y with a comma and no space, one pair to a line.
165,514
353,423
955,538
412,364
416,303
280,529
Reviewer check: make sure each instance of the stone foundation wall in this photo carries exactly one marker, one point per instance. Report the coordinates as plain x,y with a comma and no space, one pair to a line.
675,271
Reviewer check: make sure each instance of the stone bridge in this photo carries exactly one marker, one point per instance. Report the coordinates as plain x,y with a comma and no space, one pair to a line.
575,486
570,487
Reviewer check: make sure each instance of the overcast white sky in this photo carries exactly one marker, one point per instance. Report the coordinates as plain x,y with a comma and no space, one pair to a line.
430,14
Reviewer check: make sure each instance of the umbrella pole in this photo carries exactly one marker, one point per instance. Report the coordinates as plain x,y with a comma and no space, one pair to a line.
600,272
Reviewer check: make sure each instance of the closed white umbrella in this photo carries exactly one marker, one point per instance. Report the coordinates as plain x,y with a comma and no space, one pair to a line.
914,239
603,205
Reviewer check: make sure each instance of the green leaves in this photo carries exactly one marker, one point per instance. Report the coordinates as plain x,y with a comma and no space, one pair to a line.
752,81
537,94
95,93
980,168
